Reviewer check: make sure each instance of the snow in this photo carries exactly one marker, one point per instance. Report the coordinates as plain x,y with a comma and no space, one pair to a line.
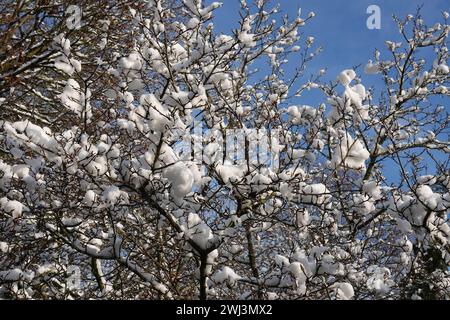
372,189
379,279
158,114
272,295
112,195
128,97
75,100
296,269
25,130
16,153
235,248
132,62
13,207
103,147
92,249
11,275
427,196
47,268
229,173
350,153
346,76
356,94
244,36
71,222
443,69
63,63
226,274
424,192
198,231
20,171
362,204
352,99
181,178
97,166
308,265
89,197
344,291
372,68
4,247
303,217
403,225
195,6
281,261
316,193
6,174
292,172
126,125
285,191
224,42
65,44
157,62
392,46
192,23
329,265
442,89
260,181
103,43
302,114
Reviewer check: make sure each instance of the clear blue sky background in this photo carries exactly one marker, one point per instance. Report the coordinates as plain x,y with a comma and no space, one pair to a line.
340,28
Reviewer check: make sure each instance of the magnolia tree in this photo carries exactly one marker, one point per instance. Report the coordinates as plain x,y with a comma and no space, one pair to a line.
183,169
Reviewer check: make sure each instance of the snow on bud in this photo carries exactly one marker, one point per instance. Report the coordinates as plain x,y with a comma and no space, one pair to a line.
300,21
193,23
316,193
89,198
181,178
247,38
216,5
393,45
112,195
309,41
226,274
346,76
442,69
75,100
13,207
4,247
350,153
344,291
372,68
